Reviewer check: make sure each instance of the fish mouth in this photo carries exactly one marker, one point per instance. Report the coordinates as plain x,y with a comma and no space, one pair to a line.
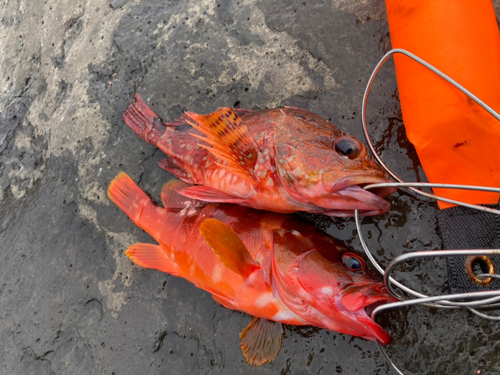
351,188
365,316
333,184
369,309
363,300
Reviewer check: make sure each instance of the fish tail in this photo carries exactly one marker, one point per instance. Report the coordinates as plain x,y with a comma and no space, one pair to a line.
136,204
143,121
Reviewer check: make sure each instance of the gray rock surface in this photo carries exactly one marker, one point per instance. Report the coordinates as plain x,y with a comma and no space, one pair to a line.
70,300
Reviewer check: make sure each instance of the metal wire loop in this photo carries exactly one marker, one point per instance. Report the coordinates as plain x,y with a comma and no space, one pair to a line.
446,78
472,301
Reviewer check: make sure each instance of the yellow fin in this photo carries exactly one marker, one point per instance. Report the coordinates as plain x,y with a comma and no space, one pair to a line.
151,256
228,247
260,341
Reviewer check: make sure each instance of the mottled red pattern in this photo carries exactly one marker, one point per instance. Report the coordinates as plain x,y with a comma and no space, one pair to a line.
269,265
282,160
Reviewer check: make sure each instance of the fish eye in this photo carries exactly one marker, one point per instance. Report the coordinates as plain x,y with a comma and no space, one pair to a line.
348,147
353,262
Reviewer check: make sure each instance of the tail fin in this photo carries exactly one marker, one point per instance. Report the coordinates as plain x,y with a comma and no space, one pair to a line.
136,204
143,121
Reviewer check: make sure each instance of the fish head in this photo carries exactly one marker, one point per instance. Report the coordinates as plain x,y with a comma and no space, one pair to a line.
328,168
327,284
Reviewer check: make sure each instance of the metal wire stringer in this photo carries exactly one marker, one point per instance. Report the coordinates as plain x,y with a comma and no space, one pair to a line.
471,301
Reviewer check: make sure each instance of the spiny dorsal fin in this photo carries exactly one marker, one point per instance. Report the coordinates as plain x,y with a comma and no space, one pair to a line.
151,256
229,139
228,247
172,199
260,341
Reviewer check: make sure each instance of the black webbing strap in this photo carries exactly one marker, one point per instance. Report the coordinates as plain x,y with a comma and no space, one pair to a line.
466,228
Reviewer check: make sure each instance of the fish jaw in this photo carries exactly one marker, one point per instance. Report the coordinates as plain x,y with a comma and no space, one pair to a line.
353,314
377,332
346,193
350,308
361,300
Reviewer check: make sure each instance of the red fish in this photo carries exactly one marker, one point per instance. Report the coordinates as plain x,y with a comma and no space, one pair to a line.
281,160
271,266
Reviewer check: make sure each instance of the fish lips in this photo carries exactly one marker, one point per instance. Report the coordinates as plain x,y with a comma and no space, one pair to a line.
352,187
363,299
333,182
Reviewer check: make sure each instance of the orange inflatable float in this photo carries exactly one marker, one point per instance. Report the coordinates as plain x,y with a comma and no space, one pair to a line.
457,141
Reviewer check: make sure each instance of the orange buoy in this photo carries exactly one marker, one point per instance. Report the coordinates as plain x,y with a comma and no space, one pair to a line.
457,141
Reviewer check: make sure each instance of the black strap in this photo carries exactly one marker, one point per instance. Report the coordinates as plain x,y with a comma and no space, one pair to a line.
466,228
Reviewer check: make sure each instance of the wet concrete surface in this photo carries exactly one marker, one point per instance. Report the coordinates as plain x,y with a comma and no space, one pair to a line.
71,302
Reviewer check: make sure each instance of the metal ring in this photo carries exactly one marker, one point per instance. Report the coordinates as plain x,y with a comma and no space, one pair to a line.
469,263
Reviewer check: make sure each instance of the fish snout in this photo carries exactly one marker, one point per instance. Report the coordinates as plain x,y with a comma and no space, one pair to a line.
360,300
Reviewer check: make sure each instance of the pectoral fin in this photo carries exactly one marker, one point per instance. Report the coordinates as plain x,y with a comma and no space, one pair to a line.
208,194
170,165
224,302
151,256
261,341
229,139
228,247
172,199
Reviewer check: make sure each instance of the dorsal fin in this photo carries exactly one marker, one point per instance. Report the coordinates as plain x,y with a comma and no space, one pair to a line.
260,341
228,247
171,198
229,139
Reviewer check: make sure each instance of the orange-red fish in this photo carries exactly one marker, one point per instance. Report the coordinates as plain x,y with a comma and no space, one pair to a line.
281,160
271,266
